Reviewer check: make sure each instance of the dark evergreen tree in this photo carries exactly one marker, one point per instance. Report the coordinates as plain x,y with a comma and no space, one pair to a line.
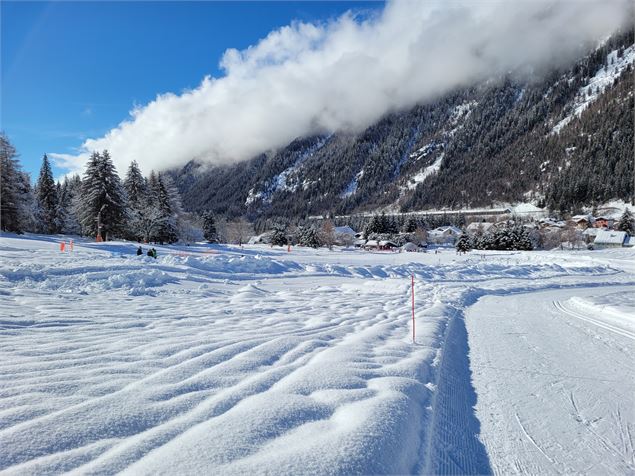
209,227
279,236
168,231
411,225
310,237
47,202
103,198
626,222
463,244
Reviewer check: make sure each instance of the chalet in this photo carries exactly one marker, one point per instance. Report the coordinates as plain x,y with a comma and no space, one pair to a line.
371,245
583,221
610,239
603,222
411,247
344,235
387,245
360,243
444,234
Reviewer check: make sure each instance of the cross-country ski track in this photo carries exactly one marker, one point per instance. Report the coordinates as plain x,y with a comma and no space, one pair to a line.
259,361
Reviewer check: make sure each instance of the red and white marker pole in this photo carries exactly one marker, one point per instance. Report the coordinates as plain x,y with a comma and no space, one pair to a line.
413,307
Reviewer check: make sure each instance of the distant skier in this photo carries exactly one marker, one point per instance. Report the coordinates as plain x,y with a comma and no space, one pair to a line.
139,251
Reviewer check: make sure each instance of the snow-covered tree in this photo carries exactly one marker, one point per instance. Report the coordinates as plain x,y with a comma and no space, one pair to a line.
135,185
463,244
66,215
310,237
16,197
138,203
47,201
626,222
279,236
239,231
103,198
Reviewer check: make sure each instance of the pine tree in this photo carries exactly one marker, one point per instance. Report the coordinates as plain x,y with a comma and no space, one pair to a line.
137,193
135,186
16,198
463,244
66,220
103,198
626,222
46,193
279,236
411,225
209,227
168,230
310,237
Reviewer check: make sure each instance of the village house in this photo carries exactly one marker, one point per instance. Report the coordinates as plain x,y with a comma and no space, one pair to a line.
603,222
610,239
582,221
444,235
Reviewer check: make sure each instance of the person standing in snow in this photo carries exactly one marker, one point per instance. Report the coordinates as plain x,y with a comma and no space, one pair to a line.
139,251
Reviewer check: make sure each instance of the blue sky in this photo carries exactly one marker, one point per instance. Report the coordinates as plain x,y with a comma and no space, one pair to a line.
72,70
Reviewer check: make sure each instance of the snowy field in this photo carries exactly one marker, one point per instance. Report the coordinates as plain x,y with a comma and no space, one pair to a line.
222,360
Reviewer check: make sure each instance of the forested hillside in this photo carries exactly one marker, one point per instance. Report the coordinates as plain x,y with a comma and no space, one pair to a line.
562,140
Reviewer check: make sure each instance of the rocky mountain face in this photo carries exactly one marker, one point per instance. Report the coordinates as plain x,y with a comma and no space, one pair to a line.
561,140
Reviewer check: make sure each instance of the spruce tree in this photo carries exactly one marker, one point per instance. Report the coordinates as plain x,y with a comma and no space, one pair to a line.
463,244
209,227
103,198
46,194
626,222
279,236
17,203
310,237
137,193
135,186
168,230
65,216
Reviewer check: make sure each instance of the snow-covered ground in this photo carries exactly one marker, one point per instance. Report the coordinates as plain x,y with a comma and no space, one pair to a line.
222,360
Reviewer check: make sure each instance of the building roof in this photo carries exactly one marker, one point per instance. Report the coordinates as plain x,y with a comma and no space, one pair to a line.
609,237
387,243
579,218
450,228
476,226
372,243
344,230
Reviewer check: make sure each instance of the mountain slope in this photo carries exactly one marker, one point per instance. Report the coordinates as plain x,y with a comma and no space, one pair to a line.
563,140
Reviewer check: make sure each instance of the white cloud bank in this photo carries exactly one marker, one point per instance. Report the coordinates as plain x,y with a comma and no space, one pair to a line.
345,74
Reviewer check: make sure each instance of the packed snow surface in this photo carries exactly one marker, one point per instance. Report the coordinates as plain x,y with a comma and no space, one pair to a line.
227,360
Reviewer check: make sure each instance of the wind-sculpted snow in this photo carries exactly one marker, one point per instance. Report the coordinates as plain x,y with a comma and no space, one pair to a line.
222,360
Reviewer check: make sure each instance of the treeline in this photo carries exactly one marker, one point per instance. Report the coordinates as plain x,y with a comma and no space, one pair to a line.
97,204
